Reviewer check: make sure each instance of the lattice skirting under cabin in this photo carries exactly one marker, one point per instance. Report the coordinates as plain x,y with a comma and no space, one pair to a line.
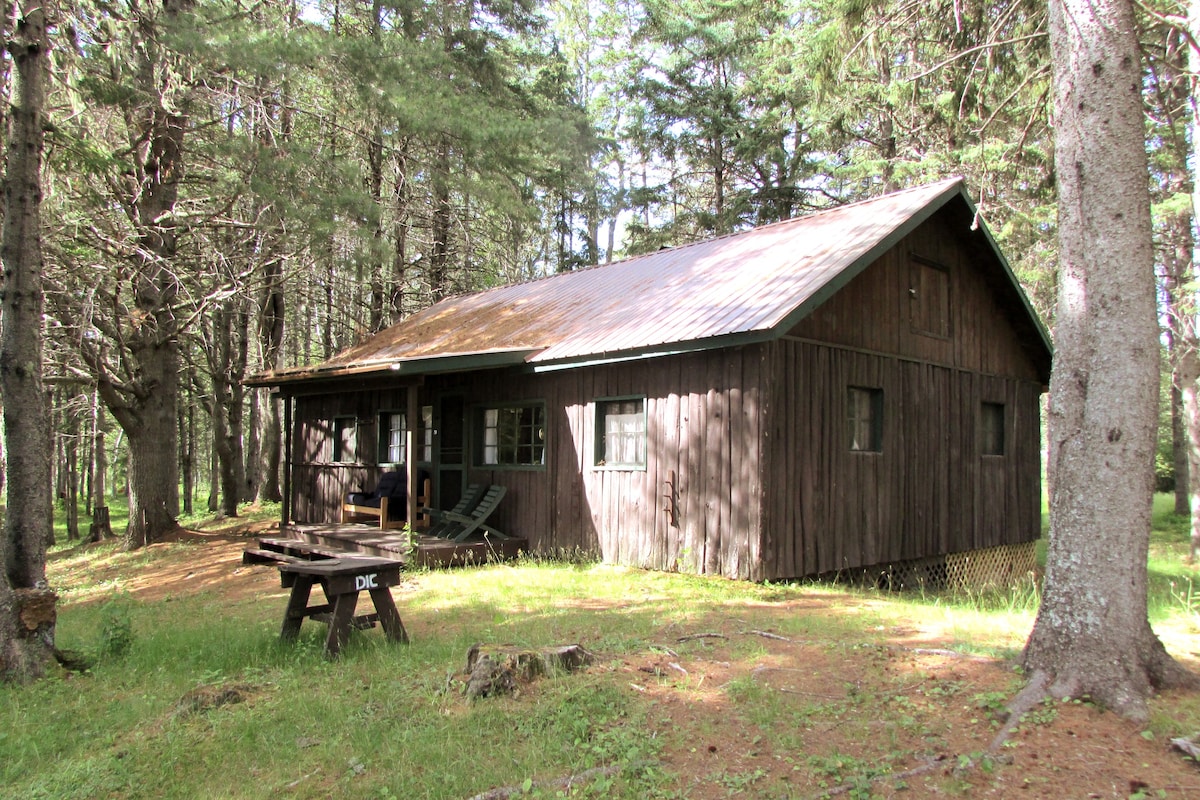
992,567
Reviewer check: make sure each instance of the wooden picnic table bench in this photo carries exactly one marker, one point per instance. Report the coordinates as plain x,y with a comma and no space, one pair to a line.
342,579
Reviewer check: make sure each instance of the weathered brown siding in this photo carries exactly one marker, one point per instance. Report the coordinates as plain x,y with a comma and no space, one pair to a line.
928,491
695,507
874,311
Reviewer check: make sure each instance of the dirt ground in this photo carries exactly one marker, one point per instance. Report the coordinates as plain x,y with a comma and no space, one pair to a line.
1063,750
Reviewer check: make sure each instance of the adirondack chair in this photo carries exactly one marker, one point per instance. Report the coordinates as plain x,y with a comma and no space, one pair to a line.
469,515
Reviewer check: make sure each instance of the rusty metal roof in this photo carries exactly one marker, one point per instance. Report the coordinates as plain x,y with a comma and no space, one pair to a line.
738,288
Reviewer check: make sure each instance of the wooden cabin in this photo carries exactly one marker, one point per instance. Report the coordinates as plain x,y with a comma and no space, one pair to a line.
854,388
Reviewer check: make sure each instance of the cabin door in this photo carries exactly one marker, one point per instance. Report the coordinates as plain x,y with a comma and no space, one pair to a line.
449,450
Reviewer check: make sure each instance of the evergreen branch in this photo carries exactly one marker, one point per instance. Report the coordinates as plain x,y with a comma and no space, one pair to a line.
970,50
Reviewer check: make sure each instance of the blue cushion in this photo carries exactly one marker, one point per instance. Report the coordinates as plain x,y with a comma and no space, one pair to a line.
391,484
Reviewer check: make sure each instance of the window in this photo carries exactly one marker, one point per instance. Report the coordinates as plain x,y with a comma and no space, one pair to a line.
621,433
991,429
514,436
864,417
929,299
345,439
393,430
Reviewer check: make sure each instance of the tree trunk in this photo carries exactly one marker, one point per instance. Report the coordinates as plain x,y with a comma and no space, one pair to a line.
101,527
226,406
152,500
400,203
439,257
1179,452
187,456
147,411
27,605
57,464
252,452
71,468
214,476
1092,636
271,316
1188,372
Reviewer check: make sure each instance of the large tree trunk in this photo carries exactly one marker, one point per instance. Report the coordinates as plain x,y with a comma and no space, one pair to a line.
27,605
1092,636
227,365
270,332
153,471
147,413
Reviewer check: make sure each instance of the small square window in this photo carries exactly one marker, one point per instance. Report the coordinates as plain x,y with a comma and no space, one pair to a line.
864,418
991,429
514,436
621,433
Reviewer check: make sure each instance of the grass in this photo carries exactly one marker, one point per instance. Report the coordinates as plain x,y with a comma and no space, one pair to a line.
389,721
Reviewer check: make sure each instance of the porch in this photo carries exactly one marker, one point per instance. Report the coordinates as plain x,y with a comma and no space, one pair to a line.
329,540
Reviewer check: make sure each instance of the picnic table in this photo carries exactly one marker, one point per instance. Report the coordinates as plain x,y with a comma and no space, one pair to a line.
342,579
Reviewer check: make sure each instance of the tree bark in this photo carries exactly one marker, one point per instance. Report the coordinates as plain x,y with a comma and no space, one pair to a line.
26,637
1092,635
71,468
227,365
1179,451
101,527
439,257
271,316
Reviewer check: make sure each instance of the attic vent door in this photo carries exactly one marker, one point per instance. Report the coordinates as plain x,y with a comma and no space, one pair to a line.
929,298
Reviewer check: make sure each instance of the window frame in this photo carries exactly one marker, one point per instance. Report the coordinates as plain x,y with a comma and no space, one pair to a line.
991,412
600,434
424,436
341,424
873,419
479,437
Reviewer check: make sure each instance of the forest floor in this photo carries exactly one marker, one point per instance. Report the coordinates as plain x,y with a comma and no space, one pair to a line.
796,691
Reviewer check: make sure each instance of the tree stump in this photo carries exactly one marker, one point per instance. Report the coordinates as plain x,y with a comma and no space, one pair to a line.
497,671
101,527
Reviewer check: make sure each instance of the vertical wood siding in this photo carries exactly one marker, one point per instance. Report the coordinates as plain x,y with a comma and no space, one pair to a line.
695,507
929,491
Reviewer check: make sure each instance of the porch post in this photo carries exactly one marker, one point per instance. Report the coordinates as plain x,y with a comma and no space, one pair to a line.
285,507
410,447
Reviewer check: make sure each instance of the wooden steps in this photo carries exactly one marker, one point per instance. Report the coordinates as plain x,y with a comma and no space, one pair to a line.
276,550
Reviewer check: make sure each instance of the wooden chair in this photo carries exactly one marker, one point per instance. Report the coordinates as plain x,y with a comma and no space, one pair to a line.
469,515
381,503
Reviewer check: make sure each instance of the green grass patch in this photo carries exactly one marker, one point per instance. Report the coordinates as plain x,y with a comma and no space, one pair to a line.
193,695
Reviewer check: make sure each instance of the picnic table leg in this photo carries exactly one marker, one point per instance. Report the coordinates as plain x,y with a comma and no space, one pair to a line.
339,623
293,615
389,617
